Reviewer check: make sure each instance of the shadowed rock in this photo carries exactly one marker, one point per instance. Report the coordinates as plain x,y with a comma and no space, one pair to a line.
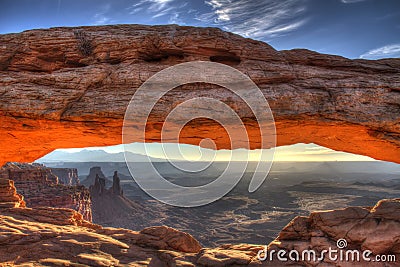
67,176
116,187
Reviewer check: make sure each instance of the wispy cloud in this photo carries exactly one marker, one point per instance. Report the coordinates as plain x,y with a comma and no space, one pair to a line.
169,9
176,19
387,51
256,19
163,12
101,17
157,5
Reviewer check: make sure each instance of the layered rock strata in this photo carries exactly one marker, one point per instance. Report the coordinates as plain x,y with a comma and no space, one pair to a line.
57,236
41,188
9,198
57,84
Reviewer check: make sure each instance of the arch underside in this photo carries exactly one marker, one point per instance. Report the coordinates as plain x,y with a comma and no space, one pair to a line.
26,140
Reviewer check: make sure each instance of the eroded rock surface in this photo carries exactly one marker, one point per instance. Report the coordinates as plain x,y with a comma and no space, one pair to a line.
9,198
41,188
58,236
364,228
52,236
69,87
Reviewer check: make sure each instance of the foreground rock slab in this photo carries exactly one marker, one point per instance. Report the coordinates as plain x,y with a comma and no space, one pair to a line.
376,229
55,236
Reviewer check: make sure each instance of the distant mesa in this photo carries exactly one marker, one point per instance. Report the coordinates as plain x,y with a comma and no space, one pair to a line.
89,155
111,208
99,186
91,178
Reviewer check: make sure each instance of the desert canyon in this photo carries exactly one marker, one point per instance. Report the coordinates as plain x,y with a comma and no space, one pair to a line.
69,87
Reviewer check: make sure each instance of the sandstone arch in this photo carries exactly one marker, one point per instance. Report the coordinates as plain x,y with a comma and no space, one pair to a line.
53,95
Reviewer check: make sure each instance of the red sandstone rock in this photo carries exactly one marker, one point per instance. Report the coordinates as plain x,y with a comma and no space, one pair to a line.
376,229
55,236
57,85
41,188
164,237
43,236
69,87
8,195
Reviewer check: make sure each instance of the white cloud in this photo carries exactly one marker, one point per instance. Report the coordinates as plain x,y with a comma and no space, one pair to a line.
387,51
175,19
134,10
151,6
163,12
160,8
100,18
256,19
158,5
172,11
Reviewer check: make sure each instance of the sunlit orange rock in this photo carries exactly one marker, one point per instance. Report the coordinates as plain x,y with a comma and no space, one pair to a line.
9,198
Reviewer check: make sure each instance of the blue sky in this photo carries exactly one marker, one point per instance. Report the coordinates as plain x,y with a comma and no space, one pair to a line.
352,28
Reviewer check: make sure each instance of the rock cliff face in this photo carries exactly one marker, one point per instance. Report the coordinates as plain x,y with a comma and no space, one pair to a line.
41,188
56,87
28,175
66,176
58,236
